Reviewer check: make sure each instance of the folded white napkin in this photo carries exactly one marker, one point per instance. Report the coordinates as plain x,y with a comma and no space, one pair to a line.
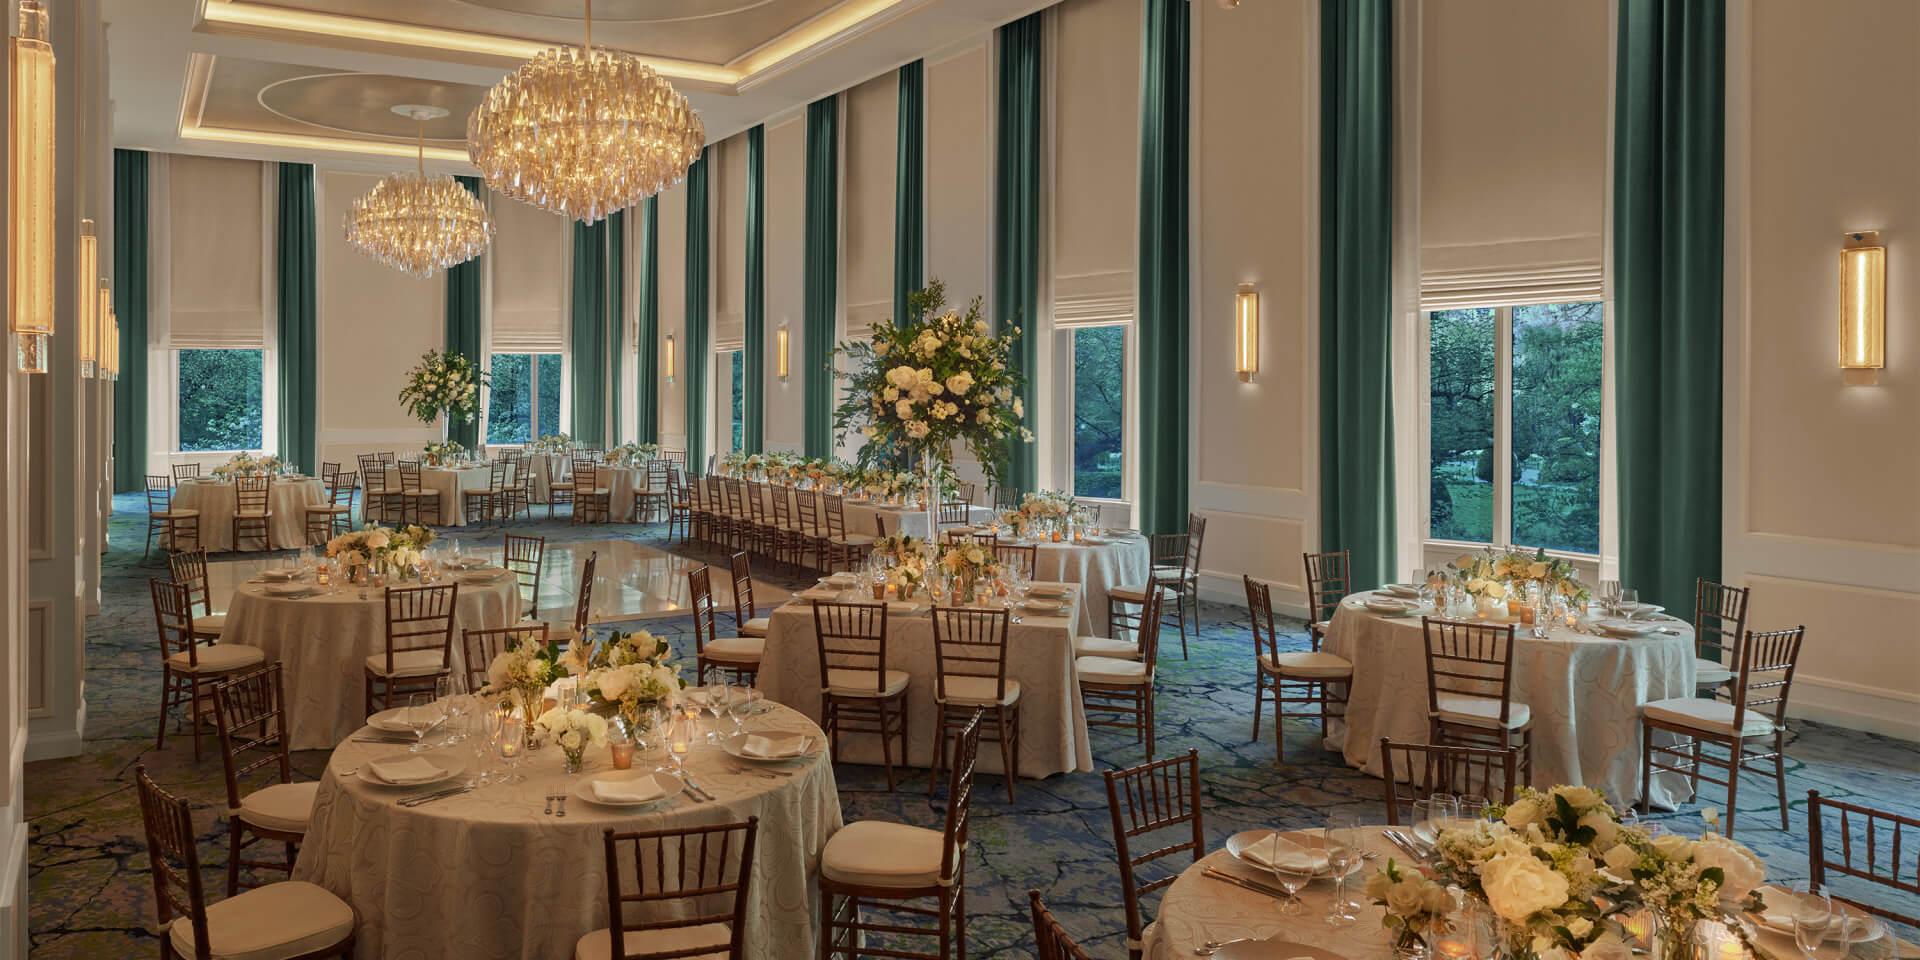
1276,851
410,770
1048,590
638,790
775,748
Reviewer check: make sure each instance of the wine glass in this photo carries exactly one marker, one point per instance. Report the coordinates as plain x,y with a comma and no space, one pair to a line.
1293,874
716,704
1445,810
1812,915
1341,839
1423,821
679,743
740,707
507,742
1628,598
420,718
1472,807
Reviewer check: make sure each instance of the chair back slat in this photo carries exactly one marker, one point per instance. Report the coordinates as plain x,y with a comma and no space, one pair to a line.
173,616
250,711
409,477
740,567
700,599
1469,659
1719,619
185,471
160,493
836,515
527,558
479,647
1266,644
677,879
958,827
1050,939
189,569
178,889
806,512
1196,533
583,603
340,490
970,642
1169,552
421,618
782,508
252,494
1161,798
1873,847
954,513
1414,770
852,636
1327,582
1767,662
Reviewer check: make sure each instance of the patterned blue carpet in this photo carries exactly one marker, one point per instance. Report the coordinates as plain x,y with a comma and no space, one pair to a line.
91,893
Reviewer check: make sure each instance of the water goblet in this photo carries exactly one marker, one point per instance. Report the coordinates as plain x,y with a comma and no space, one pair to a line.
1340,838
1423,821
1445,811
420,717
1812,916
1473,807
508,744
716,704
1292,874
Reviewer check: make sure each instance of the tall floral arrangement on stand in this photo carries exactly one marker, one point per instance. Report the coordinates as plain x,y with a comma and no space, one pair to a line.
443,386
521,675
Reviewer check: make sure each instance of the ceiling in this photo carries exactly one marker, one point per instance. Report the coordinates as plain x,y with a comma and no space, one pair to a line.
316,80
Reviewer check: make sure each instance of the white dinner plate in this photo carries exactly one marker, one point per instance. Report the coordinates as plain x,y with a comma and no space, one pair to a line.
842,579
1239,842
1273,949
1043,608
289,589
903,608
392,721
1403,590
447,772
1095,541
1636,609
819,593
1048,590
583,788
736,744
1388,605
1624,628
1778,918
279,574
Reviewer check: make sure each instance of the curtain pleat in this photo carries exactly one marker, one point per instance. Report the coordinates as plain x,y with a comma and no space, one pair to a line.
754,356
1668,180
1356,299
130,305
463,322
698,358
614,316
821,270
646,333
910,189
587,337
1016,251
298,340
1164,392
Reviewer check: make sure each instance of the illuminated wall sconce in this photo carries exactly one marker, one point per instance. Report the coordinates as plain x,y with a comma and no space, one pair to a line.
109,360
1863,302
780,352
30,188
1246,332
86,302
669,358
113,339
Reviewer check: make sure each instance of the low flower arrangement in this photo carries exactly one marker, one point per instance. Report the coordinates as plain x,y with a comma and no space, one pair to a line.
1416,907
245,464
633,454
382,549
521,675
1493,574
574,731
970,565
443,383
1049,510
630,674
906,560
550,443
442,453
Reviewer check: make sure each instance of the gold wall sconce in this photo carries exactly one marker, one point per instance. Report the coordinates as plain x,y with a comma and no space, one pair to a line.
87,300
669,358
30,188
780,352
1246,332
1863,302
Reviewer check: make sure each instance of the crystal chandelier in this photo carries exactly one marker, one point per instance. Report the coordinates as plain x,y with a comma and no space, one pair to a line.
583,132
419,224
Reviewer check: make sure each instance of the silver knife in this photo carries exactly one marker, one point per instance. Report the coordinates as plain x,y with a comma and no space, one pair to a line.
699,790
430,797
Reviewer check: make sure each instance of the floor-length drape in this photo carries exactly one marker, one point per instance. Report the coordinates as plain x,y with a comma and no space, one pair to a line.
1164,368
463,322
1356,285
130,306
821,280
298,340
1668,178
614,317
753,431
910,189
698,357
1016,223
587,335
646,328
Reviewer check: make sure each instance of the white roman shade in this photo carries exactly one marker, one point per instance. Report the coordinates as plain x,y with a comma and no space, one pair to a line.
1097,156
1513,151
528,261
871,119
730,244
959,174
217,253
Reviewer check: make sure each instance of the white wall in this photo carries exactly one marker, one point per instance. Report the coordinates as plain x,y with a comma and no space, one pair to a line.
673,319
786,212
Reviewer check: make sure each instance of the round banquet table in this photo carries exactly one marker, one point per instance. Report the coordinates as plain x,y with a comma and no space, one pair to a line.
621,484
542,470
488,874
323,642
218,500
449,481
1098,568
1585,691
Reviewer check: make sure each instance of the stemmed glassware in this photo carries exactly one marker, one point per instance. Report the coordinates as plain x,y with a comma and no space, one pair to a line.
1293,874
422,714
1341,838
1812,916
507,735
715,703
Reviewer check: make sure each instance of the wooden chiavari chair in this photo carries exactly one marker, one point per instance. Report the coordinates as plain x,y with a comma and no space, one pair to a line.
166,524
843,546
291,919
1872,843
1470,689
279,810
679,504
1184,578
328,470
1163,798
479,647
654,497
736,529
1050,939
1024,557
891,865
559,489
517,497
527,558
970,680
806,520
419,648
692,884
1169,555
1006,498
1719,621
737,656
188,670
747,620
1415,770
253,510
1119,691
567,633
415,500
189,569
760,534
592,493
858,693
485,503
186,471
1313,674
1327,583
334,516
784,538
378,503
953,513
1758,712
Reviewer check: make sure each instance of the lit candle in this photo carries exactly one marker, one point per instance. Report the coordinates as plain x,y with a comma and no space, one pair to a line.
1451,949
1638,926
622,754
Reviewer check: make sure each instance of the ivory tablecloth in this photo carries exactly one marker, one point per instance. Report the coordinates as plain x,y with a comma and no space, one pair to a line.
1585,692
1098,568
1053,722
862,517
218,500
542,470
323,642
487,874
622,482
449,481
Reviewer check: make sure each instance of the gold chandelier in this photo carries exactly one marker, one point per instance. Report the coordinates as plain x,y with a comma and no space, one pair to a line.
583,132
419,224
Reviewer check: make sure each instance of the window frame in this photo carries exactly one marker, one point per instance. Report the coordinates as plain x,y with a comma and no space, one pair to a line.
533,396
724,357
1065,366
269,421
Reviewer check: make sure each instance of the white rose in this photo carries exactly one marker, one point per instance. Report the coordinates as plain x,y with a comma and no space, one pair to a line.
1604,829
1522,812
1672,846
1517,887
596,729
1608,947
903,409
378,539
1579,798
960,383
1580,927
497,670
1741,870
571,739
1621,859
613,683
1404,898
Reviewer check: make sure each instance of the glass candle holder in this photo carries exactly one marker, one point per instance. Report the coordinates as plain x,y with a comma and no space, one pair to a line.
622,754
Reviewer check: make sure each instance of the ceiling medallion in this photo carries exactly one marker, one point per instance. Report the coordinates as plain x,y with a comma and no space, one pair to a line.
415,223
583,132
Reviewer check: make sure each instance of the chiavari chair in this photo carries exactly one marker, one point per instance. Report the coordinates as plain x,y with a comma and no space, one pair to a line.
485,502
1024,557
334,516
679,504
1050,939
189,569
419,647
1310,678
1752,729
891,865
1719,621
1119,691
858,692
677,456
328,470
716,524
788,542
592,492
1470,688
656,495
517,497
1327,584
1872,843
1006,498
253,510
970,680
292,919
747,620
390,458
377,502
166,524
761,534
479,647
416,500
567,633
1161,798
1415,770
1184,578
736,531
527,558
1169,552
278,811
691,885
735,656
954,513
186,471
806,519
188,670
559,489
845,547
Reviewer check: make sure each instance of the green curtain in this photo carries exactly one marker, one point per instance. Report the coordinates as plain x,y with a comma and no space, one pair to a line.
294,265
615,316
910,189
1356,288
587,337
130,305
821,268
1669,148
1164,392
1016,205
646,334
697,358
753,432
463,322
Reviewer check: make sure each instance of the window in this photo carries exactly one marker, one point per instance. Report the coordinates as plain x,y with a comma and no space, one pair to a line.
523,399
1531,476
220,394
736,397
1099,410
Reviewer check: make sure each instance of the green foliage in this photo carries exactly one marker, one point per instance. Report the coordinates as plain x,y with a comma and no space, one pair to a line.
1099,413
737,399
220,400
523,387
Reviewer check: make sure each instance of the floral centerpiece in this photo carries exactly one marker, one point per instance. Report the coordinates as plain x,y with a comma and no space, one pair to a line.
442,453
521,674
574,731
1683,882
382,549
630,674
245,464
550,443
905,558
443,386
1047,510
1416,906
1493,575
633,454
970,564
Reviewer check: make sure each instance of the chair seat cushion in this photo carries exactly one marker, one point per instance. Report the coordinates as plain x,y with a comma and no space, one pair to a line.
757,627
407,663
333,510
876,853
1309,665
1105,647
1136,593
853,540
421,494
210,625
1701,713
177,514
1480,712
1711,673
849,682
598,945
219,658
253,514
273,922
282,806
735,649
1111,670
978,691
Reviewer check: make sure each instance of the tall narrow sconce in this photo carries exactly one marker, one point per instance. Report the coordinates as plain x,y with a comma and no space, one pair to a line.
780,354
109,360
1246,332
1863,302
30,188
669,358
87,301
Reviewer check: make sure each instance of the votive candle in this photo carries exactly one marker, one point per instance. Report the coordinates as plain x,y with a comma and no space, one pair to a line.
622,754
1451,949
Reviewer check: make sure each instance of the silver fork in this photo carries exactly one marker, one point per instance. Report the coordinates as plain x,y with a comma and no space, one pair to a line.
549,810
563,804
